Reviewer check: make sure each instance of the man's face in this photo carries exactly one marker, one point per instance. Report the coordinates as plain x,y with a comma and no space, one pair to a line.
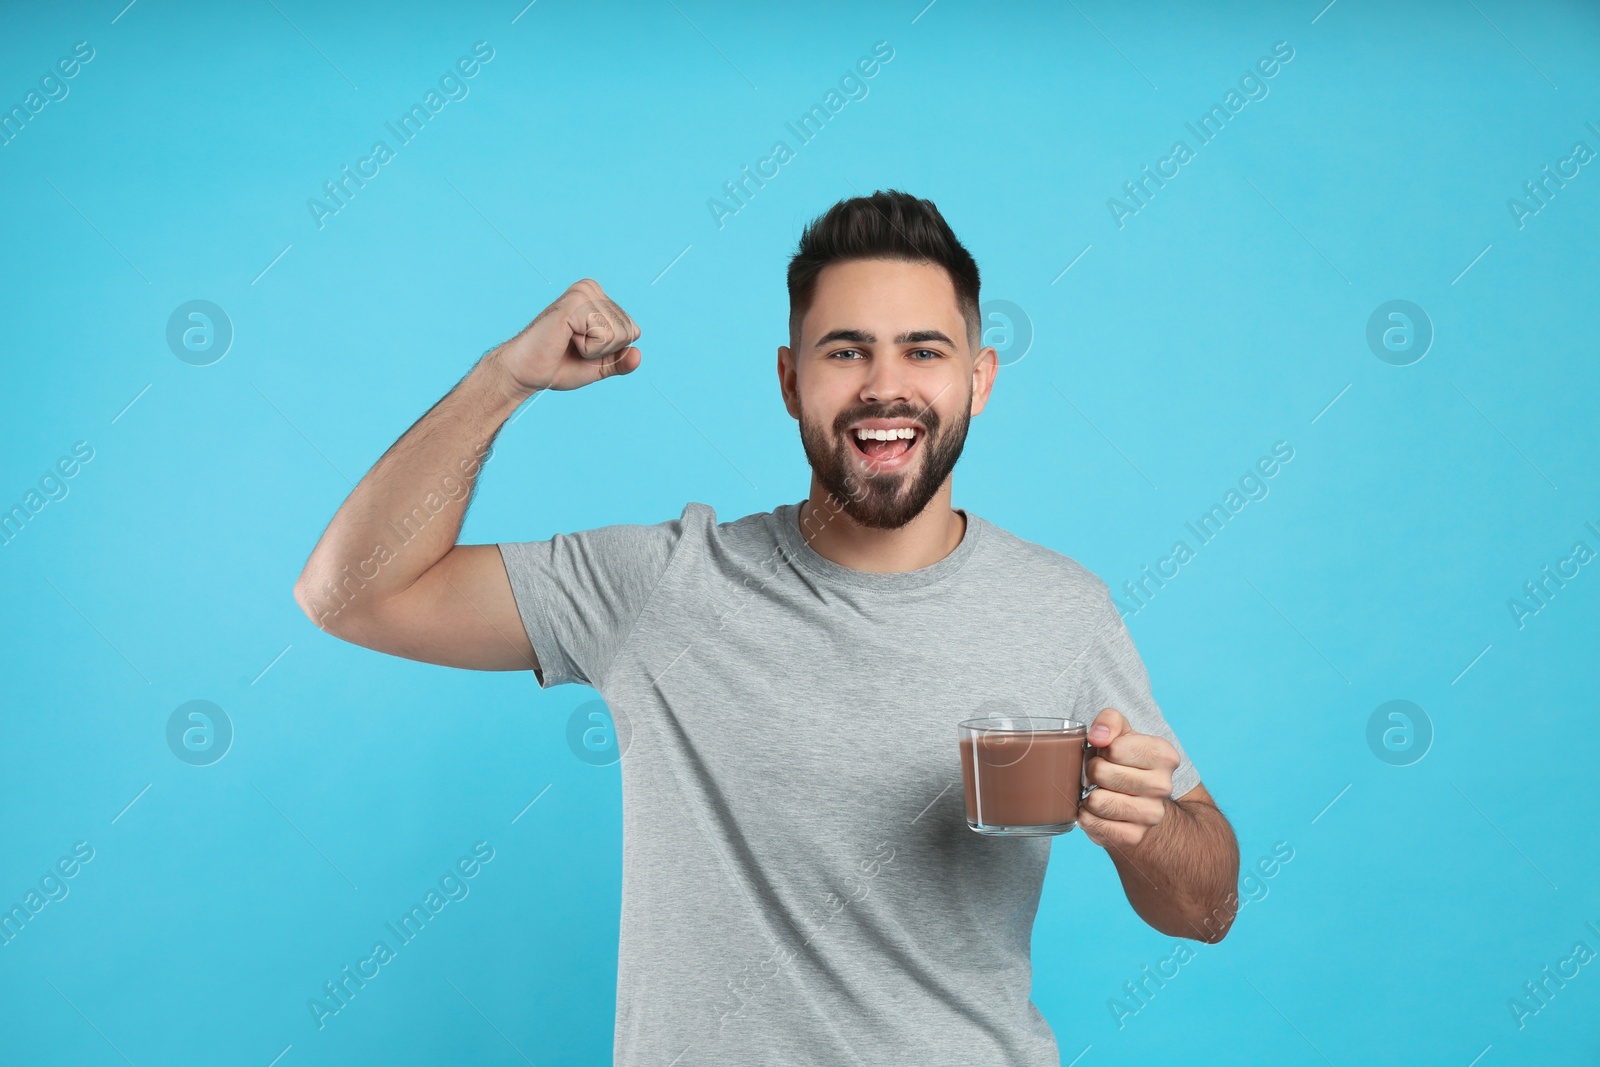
884,342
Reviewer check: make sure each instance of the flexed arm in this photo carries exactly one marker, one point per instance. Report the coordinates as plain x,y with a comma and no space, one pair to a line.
387,573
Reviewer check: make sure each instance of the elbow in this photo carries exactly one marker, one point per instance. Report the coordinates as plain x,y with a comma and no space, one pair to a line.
340,604
1212,926
1215,933
319,601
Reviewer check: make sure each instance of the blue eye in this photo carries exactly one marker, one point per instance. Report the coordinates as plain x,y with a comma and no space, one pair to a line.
919,355
927,351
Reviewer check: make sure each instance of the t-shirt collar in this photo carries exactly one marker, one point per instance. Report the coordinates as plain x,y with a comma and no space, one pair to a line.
787,517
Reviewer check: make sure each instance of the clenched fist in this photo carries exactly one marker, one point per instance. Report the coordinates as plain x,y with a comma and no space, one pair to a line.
582,337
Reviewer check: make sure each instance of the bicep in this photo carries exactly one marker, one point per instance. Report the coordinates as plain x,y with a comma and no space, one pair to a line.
459,613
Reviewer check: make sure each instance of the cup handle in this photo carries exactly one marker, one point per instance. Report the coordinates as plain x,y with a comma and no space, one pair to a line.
1089,752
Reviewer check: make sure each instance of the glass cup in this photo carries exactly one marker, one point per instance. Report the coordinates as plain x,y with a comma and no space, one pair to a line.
1025,776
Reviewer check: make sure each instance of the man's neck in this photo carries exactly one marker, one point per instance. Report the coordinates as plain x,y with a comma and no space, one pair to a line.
922,542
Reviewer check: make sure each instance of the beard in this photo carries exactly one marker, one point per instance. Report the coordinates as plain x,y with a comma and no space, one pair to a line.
884,500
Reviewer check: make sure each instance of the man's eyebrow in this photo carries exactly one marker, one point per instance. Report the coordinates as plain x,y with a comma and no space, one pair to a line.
862,337
923,335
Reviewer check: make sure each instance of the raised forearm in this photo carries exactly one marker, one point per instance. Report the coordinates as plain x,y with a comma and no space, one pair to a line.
1181,876
406,513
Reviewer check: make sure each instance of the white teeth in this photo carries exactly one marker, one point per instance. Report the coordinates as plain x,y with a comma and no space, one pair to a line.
886,435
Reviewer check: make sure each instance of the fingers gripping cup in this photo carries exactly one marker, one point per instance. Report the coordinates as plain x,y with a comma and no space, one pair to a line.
1025,776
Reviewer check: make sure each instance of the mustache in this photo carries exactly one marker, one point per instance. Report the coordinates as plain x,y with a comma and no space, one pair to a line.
923,417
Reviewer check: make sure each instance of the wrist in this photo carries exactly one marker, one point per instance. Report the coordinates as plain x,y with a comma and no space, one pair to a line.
1171,812
501,382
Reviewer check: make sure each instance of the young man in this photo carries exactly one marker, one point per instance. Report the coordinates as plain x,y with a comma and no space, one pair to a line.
799,882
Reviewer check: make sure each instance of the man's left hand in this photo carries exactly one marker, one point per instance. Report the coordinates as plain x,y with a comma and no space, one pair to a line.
1134,776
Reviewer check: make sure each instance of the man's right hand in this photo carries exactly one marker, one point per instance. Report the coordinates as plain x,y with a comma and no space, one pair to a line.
582,337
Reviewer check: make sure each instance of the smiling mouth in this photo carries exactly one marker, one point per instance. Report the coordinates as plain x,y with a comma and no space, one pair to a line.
885,454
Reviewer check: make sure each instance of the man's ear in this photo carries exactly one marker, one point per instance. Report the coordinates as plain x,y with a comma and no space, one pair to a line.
786,380
984,367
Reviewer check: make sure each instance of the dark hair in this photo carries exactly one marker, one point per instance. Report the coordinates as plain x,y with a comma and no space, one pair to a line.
888,224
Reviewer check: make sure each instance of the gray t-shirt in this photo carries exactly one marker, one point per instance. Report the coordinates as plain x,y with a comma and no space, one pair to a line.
799,883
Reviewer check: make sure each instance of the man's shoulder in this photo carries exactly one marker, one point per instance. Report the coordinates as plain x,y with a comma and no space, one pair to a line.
1030,562
1047,579
1049,584
699,522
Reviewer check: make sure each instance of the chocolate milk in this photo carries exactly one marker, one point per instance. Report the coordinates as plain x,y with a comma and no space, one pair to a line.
1023,780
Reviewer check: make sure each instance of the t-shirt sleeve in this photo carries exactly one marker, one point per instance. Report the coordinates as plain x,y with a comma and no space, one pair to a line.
581,594
1114,676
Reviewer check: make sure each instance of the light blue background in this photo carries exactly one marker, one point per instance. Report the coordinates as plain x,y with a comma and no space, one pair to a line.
1223,317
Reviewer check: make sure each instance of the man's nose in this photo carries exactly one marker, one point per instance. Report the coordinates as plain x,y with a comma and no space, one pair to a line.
886,382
